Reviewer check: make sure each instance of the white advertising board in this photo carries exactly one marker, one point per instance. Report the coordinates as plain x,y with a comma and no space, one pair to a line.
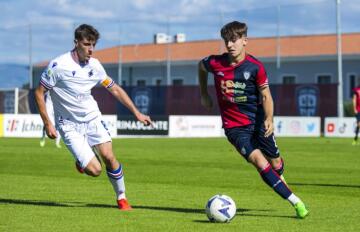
30,125
195,126
340,127
22,125
297,126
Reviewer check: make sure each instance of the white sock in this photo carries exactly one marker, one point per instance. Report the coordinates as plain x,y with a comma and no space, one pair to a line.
293,199
116,178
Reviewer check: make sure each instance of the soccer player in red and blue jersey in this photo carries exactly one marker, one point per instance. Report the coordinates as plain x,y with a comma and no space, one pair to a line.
246,108
356,104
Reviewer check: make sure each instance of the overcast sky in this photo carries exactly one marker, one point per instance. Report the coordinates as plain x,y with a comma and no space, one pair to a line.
136,21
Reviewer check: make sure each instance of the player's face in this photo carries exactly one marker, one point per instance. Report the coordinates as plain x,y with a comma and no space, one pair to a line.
85,49
236,46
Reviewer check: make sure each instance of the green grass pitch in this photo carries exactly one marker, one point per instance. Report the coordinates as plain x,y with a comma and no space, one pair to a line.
168,183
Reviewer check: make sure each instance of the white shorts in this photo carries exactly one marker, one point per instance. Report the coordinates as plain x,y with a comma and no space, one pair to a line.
81,137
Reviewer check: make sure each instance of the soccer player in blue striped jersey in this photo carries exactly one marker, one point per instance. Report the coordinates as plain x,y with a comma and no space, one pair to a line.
69,78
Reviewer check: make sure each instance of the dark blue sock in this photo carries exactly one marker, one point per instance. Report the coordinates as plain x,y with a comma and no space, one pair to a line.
272,179
356,133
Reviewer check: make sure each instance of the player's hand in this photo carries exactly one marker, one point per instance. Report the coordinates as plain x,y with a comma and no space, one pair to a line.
206,101
145,119
50,131
269,127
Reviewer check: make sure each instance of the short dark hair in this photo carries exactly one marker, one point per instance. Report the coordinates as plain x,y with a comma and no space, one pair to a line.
233,30
85,31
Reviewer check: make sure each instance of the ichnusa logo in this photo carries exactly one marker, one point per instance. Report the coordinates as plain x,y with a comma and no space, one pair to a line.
12,125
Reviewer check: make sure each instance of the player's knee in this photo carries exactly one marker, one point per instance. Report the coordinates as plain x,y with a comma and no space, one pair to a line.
258,159
93,169
93,172
278,166
109,159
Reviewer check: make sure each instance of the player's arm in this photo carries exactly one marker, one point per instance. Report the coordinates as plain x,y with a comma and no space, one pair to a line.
206,100
120,94
40,102
354,103
268,105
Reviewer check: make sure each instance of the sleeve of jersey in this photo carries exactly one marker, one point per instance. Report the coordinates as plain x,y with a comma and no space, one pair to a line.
105,80
108,82
207,63
262,79
48,77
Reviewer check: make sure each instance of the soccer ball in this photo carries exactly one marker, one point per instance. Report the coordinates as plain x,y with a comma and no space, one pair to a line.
220,208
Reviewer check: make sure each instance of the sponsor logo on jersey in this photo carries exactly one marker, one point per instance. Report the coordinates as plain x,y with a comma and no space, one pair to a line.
230,86
53,65
73,73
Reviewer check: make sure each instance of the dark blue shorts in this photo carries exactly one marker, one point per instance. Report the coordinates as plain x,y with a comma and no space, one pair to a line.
248,138
357,117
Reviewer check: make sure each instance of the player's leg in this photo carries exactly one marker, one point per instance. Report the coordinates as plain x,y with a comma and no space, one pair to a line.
99,137
76,141
357,129
269,148
93,168
245,143
58,139
273,180
115,173
268,174
278,165
42,139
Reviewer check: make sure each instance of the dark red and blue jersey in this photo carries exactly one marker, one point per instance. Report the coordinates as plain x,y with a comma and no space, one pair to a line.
237,89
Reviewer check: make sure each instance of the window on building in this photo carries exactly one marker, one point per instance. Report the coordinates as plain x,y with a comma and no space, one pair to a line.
140,82
288,79
178,82
156,82
323,79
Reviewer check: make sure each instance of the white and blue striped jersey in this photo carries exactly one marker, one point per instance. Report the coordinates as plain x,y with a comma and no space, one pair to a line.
70,87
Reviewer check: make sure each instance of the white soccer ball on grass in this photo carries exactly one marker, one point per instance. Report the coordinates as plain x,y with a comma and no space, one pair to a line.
220,208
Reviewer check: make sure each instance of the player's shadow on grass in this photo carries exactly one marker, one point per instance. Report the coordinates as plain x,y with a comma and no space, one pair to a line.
326,185
80,204
245,213
163,208
33,202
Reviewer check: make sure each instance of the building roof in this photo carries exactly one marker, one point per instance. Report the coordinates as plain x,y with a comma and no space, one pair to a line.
290,46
